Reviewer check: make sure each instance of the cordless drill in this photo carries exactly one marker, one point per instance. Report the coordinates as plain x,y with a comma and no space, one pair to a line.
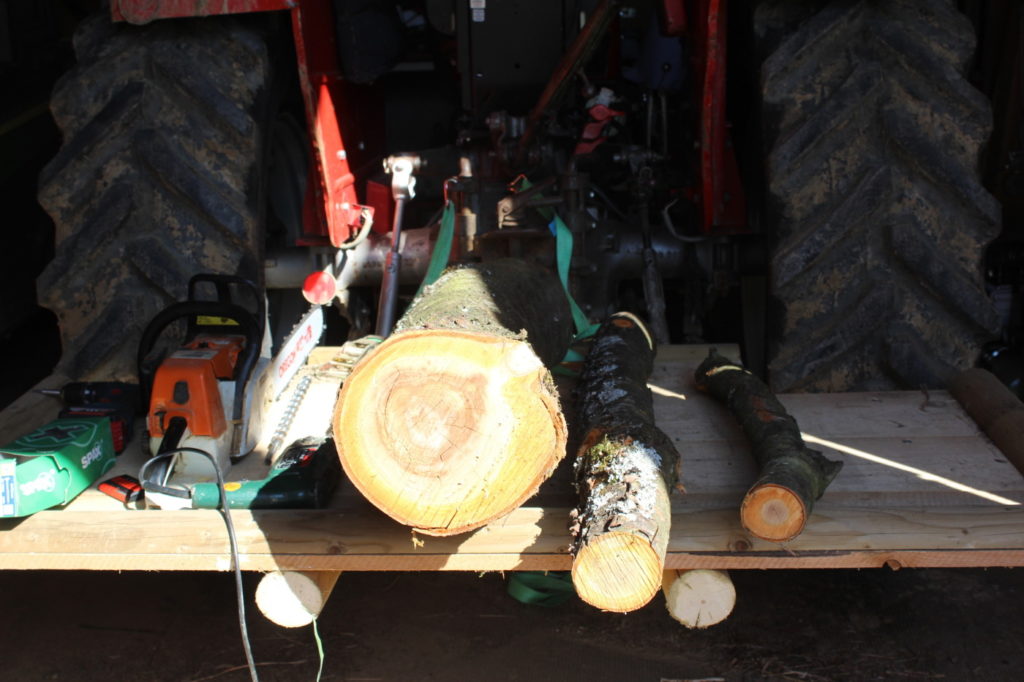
117,400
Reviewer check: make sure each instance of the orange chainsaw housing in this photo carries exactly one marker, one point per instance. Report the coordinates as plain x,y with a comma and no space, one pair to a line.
186,385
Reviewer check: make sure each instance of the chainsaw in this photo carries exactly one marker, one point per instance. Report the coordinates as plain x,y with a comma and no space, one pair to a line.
209,398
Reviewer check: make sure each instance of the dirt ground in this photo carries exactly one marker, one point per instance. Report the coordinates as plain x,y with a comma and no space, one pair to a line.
964,624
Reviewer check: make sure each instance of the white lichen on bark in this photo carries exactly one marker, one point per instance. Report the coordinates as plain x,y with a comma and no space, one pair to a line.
621,486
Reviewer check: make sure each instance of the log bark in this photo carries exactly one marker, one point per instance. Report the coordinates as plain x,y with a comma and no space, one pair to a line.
791,475
454,420
699,598
625,470
294,598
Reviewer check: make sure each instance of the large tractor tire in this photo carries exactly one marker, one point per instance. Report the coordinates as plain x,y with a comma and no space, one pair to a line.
159,177
873,194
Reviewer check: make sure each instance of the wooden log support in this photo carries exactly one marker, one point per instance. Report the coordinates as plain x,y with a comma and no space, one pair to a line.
791,475
292,599
454,420
625,469
699,598
996,411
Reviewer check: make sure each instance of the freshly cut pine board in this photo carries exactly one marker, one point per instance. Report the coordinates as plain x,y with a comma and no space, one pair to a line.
921,486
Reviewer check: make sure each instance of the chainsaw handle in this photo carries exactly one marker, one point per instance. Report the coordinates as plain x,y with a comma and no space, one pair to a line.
224,285
247,325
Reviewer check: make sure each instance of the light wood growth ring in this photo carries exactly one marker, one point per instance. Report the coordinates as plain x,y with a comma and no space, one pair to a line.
446,430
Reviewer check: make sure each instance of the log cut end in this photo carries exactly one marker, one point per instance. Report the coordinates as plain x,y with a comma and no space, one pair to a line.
699,598
293,599
773,512
617,572
446,430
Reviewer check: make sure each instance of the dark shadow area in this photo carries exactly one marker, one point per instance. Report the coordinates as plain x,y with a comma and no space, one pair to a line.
28,353
35,49
810,625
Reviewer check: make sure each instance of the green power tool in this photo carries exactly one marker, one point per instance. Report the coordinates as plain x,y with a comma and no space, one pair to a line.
303,477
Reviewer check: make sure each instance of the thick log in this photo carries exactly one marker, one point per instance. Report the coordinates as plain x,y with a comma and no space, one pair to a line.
454,420
699,598
625,469
294,598
791,475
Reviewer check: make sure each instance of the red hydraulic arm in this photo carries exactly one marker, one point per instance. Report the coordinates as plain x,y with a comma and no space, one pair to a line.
723,205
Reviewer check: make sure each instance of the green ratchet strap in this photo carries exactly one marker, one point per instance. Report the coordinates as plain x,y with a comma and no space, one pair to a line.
563,257
541,588
442,247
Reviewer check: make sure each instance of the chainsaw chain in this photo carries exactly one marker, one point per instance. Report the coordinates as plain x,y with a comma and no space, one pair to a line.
338,368
348,356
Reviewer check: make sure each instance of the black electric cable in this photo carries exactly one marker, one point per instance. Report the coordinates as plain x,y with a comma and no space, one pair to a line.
232,540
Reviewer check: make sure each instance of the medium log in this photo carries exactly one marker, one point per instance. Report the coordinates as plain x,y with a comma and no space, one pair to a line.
792,476
625,469
294,598
699,598
454,420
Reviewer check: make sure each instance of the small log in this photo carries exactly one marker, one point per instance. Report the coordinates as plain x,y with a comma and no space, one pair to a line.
792,476
995,409
699,598
454,420
294,598
625,469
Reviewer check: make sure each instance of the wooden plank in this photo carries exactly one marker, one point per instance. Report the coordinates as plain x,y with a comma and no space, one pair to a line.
903,448
876,472
31,410
528,539
909,495
692,354
691,415
1009,558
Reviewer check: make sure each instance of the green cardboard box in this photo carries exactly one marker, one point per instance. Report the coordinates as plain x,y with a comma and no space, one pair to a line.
53,464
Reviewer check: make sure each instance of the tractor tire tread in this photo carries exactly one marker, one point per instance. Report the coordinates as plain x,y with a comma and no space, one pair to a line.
873,195
157,178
